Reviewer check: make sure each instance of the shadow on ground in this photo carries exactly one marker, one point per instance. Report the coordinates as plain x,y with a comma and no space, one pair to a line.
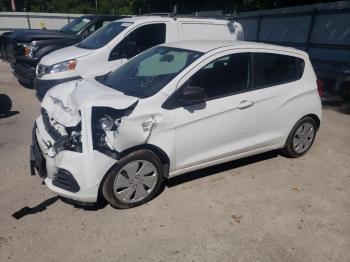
5,106
209,171
101,203
33,210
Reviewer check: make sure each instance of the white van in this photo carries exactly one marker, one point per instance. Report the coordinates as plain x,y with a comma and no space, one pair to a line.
115,43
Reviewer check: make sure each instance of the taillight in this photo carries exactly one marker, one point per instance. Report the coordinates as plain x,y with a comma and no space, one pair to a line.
320,87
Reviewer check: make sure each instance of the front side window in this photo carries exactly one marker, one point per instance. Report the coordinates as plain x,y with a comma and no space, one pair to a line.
274,69
76,25
104,35
224,76
139,40
148,73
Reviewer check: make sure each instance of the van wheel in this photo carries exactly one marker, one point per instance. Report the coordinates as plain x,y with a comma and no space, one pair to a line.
300,138
136,179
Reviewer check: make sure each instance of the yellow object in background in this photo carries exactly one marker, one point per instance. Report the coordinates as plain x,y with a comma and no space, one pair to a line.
42,25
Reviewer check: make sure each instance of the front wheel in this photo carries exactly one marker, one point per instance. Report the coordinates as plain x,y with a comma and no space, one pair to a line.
300,138
137,179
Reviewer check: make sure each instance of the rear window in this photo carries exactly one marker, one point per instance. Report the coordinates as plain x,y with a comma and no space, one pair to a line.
275,69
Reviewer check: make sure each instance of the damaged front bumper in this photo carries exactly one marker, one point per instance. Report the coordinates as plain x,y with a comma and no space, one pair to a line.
62,170
37,160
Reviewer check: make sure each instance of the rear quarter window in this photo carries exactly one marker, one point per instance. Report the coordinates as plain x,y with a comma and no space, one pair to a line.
199,31
275,69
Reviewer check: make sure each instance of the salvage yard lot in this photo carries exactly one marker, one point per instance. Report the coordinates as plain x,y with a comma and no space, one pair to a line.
263,208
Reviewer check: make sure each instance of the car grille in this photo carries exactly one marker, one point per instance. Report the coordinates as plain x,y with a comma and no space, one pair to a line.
62,142
54,133
42,70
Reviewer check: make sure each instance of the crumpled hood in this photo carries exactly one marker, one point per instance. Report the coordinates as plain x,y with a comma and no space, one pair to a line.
64,54
64,101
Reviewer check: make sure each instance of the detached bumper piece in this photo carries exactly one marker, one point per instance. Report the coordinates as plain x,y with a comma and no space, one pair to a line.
66,181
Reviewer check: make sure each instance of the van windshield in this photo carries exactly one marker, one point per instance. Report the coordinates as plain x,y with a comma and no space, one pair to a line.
76,25
103,36
147,73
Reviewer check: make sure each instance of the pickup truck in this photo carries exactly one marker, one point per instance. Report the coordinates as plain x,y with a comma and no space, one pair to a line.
24,48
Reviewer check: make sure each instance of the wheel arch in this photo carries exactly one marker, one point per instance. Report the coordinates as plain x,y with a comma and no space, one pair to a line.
314,117
154,149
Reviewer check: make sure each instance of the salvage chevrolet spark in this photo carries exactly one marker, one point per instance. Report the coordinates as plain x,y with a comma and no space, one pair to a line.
172,109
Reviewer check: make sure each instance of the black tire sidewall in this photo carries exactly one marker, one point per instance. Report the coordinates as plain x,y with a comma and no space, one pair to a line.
289,148
107,187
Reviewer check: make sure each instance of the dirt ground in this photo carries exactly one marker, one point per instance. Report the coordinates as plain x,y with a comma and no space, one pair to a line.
263,208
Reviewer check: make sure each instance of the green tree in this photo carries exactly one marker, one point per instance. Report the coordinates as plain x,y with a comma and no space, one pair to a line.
115,7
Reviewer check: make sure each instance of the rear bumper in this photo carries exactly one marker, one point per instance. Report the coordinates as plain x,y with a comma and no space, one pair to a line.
42,86
24,73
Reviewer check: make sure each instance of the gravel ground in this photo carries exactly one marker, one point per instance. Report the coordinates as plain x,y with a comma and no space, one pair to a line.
264,208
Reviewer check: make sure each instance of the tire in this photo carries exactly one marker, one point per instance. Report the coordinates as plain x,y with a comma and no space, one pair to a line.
135,180
297,135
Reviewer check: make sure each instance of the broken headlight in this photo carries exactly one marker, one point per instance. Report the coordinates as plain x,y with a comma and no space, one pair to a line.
107,123
103,120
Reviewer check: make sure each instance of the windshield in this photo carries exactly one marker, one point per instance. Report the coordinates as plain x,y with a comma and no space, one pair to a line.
76,25
102,36
149,72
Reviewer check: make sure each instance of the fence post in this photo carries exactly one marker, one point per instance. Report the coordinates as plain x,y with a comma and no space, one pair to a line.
28,21
258,28
311,27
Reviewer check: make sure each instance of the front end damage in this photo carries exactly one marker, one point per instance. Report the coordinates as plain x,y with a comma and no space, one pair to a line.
79,143
115,130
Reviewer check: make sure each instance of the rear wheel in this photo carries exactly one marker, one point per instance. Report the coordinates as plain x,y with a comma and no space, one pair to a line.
301,138
137,178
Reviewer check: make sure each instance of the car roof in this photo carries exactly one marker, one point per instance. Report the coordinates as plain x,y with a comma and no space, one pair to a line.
105,16
149,18
206,46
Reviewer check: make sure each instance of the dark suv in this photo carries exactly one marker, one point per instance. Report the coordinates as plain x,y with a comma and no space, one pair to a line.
24,48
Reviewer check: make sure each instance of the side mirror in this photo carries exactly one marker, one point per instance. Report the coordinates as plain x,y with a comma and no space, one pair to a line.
193,95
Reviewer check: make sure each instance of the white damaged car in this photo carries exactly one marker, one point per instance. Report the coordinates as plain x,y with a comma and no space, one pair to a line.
172,109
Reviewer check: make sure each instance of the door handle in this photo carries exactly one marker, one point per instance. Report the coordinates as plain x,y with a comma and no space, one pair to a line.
245,104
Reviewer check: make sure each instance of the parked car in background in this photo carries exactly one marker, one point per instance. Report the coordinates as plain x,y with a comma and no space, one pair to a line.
114,44
172,109
24,48
344,89
4,45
